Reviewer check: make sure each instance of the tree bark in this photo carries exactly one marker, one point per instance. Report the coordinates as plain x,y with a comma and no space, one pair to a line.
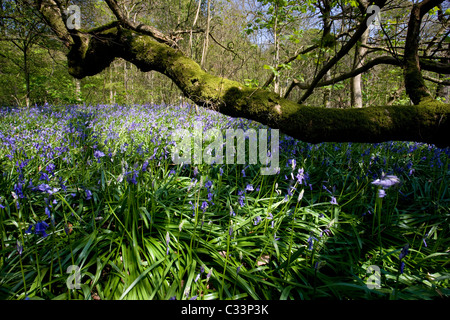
93,51
356,90
414,82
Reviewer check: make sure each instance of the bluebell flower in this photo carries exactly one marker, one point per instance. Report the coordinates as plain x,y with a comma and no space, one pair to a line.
47,212
39,228
2,207
18,189
208,184
145,165
386,181
167,242
249,187
98,154
404,251
311,242
204,206
88,194
402,267
381,193
333,200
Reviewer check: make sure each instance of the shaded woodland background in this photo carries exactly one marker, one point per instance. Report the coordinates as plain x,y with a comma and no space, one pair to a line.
249,41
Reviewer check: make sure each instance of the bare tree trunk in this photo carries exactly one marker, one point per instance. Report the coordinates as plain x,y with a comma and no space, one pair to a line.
356,91
26,71
206,42
276,84
193,25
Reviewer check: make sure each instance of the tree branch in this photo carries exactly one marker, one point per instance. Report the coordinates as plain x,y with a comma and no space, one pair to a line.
141,28
341,53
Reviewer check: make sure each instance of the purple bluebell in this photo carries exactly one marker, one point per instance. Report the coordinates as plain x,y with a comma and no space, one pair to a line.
333,201
204,206
145,165
98,154
386,181
39,228
167,242
88,194
311,242
47,212
404,252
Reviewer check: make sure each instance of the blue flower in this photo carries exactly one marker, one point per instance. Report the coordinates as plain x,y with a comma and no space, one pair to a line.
381,193
88,194
333,200
167,242
39,228
402,267
204,206
386,181
47,212
249,187
311,242
145,165
98,154
404,252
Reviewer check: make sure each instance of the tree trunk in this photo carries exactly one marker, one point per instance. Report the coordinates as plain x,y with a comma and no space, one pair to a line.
442,90
206,42
414,82
26,71
356,91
